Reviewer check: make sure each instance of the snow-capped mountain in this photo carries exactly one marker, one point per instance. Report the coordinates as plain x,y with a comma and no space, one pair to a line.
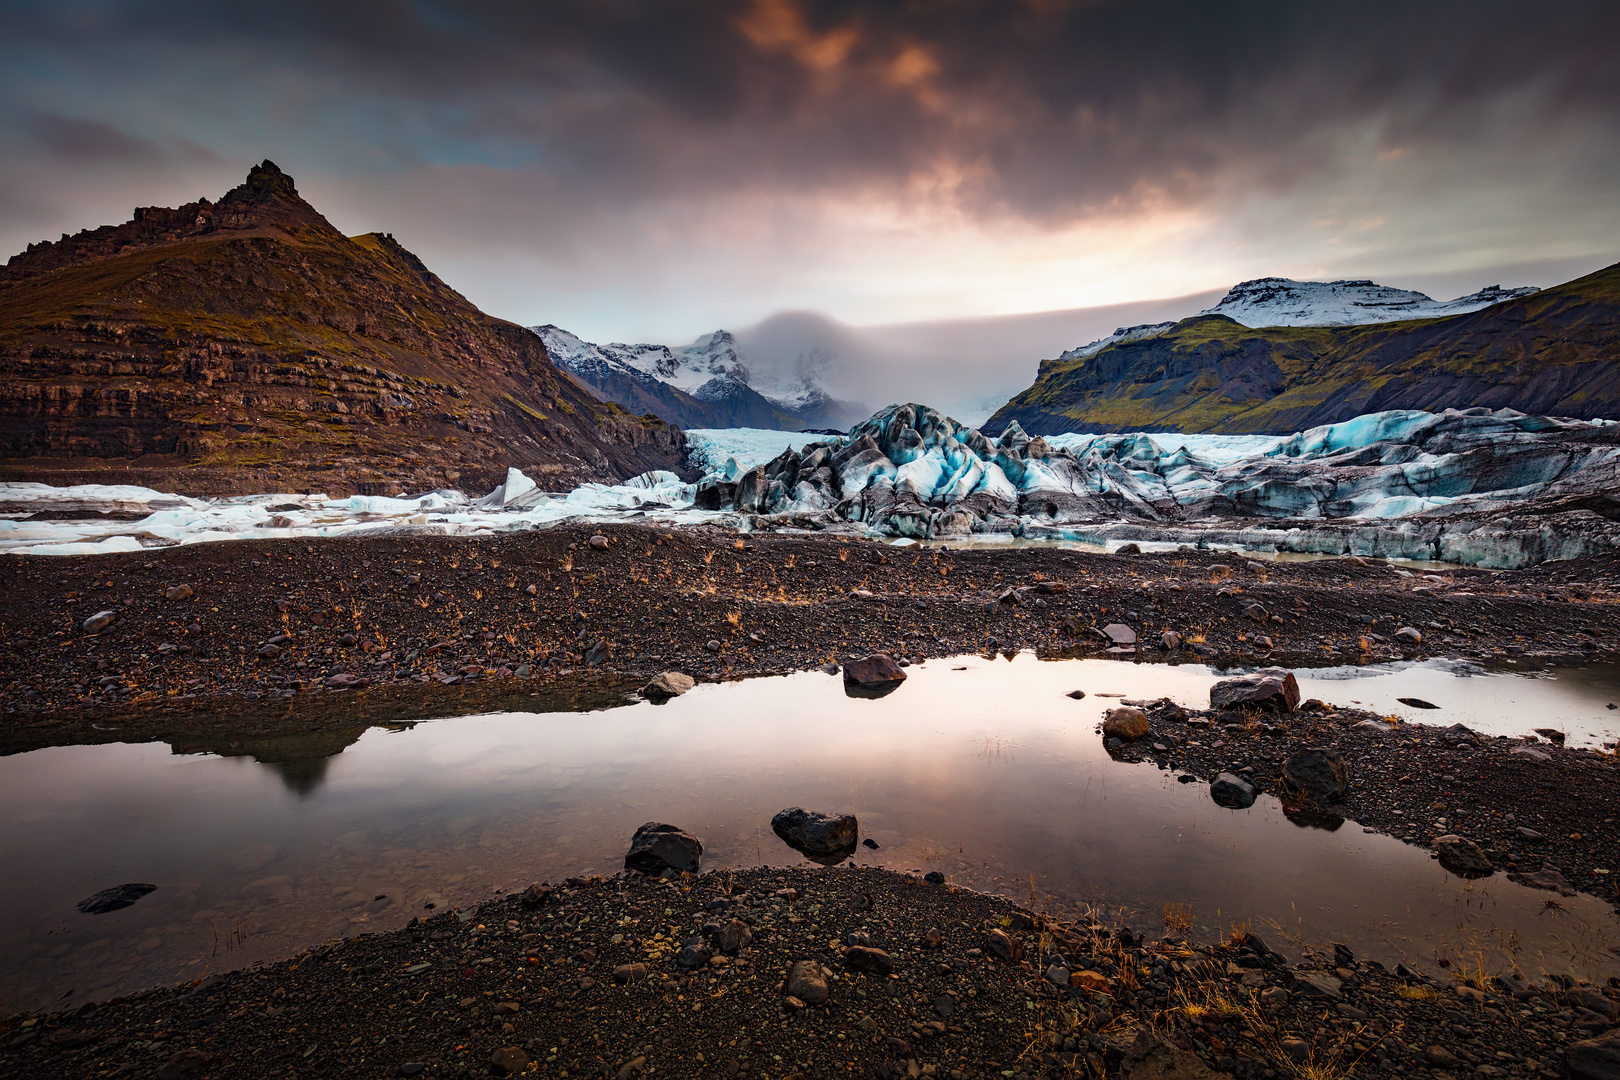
1286,302
1124,333
704,384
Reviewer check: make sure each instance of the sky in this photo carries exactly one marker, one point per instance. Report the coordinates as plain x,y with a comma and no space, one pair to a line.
648,170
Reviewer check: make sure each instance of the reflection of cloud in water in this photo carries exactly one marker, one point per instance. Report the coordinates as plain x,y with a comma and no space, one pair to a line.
990,774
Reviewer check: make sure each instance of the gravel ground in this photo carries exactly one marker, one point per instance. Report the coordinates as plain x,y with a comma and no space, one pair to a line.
282,619
585,979
1531,805
253,646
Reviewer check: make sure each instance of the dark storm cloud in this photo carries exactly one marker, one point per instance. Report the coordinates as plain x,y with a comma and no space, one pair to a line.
1047,110
88,142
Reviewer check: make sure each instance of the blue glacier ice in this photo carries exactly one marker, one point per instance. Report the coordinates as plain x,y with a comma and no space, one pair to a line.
1494,489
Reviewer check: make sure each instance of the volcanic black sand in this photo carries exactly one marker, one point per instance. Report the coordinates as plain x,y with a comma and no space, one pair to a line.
240,647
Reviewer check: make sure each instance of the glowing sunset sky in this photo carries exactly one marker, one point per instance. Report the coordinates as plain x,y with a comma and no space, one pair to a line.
635,169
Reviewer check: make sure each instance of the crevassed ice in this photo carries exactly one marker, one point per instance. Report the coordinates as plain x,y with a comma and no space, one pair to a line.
1396,484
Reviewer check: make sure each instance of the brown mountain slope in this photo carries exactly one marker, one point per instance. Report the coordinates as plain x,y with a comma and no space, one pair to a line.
247,345
1555,353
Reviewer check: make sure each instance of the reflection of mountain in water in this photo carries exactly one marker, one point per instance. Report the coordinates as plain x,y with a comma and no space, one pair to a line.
299,760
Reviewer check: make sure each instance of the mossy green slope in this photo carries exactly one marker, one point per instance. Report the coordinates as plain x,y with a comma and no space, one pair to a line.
1556,352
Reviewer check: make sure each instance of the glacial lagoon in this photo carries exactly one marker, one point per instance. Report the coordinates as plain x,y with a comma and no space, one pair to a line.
977,767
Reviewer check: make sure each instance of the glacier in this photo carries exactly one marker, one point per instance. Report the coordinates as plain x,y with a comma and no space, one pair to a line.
1494,489
1474,487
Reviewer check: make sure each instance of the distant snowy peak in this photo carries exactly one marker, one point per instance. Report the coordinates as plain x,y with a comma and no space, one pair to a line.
1124,333
1286,302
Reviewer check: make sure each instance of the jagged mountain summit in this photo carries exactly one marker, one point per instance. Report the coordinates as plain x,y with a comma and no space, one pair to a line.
707,384
1552,352
703,385
1286,302
248,345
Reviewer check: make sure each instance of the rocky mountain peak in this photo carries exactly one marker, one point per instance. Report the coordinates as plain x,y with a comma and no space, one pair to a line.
266,201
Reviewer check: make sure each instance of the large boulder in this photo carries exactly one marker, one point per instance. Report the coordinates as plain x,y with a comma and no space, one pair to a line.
817,835
1273,688
1126,722
1317,773
1232,792
668,684
1594,1059
807,982
873,676
1462,857
656,847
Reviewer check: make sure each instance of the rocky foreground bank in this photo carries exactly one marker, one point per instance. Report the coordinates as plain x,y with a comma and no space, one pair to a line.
814,973
291,619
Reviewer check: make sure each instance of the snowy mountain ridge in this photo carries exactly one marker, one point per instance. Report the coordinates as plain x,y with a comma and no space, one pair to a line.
709,369
1286,302
707,383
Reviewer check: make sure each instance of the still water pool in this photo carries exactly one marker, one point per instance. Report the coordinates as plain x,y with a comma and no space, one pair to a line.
980,768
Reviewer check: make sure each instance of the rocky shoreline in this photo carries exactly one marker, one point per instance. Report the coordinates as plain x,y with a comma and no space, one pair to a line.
598,978
163,629
1541,812
278,647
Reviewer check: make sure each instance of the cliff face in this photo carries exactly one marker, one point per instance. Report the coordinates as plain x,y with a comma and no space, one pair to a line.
247,345
1553,353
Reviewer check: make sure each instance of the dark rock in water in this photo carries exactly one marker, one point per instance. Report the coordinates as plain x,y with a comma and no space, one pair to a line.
1551,735
1232,792
1306,818
1416,703
1462,857
1594,1059
872,676
1078,695
1128,549
668,684
114,899
870,843
934,877
655,848
1318,773
816,835
1269,688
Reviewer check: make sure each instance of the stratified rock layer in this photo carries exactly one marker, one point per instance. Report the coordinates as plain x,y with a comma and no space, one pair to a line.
248,346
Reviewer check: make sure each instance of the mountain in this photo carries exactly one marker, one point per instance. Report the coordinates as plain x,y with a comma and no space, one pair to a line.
709,383
247,345
1554,352
701,386
1286,302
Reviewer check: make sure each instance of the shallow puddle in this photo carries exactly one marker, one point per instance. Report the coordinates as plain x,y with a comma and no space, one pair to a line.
979,768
